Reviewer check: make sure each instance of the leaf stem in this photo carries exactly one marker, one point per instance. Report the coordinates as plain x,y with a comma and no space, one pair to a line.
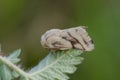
14,67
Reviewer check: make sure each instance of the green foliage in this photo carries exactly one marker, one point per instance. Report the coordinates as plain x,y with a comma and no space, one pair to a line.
7,73
56,64
53,67
14,56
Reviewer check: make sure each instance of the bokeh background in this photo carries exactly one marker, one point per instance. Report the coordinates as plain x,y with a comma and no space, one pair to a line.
22,22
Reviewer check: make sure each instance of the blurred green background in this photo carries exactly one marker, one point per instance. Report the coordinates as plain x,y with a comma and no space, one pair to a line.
22,22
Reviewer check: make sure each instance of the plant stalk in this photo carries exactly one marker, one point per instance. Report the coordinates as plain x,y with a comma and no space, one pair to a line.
12,66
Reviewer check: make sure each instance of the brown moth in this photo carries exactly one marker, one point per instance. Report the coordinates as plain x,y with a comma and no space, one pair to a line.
76,38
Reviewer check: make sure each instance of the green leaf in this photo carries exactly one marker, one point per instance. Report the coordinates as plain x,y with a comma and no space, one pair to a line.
15,74
56,65
5,73
13,57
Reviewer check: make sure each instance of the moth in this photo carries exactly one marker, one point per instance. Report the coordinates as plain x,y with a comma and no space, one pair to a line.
72,38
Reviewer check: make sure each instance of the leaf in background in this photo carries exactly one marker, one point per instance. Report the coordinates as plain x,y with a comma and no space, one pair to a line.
13,57
5,73
55,65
